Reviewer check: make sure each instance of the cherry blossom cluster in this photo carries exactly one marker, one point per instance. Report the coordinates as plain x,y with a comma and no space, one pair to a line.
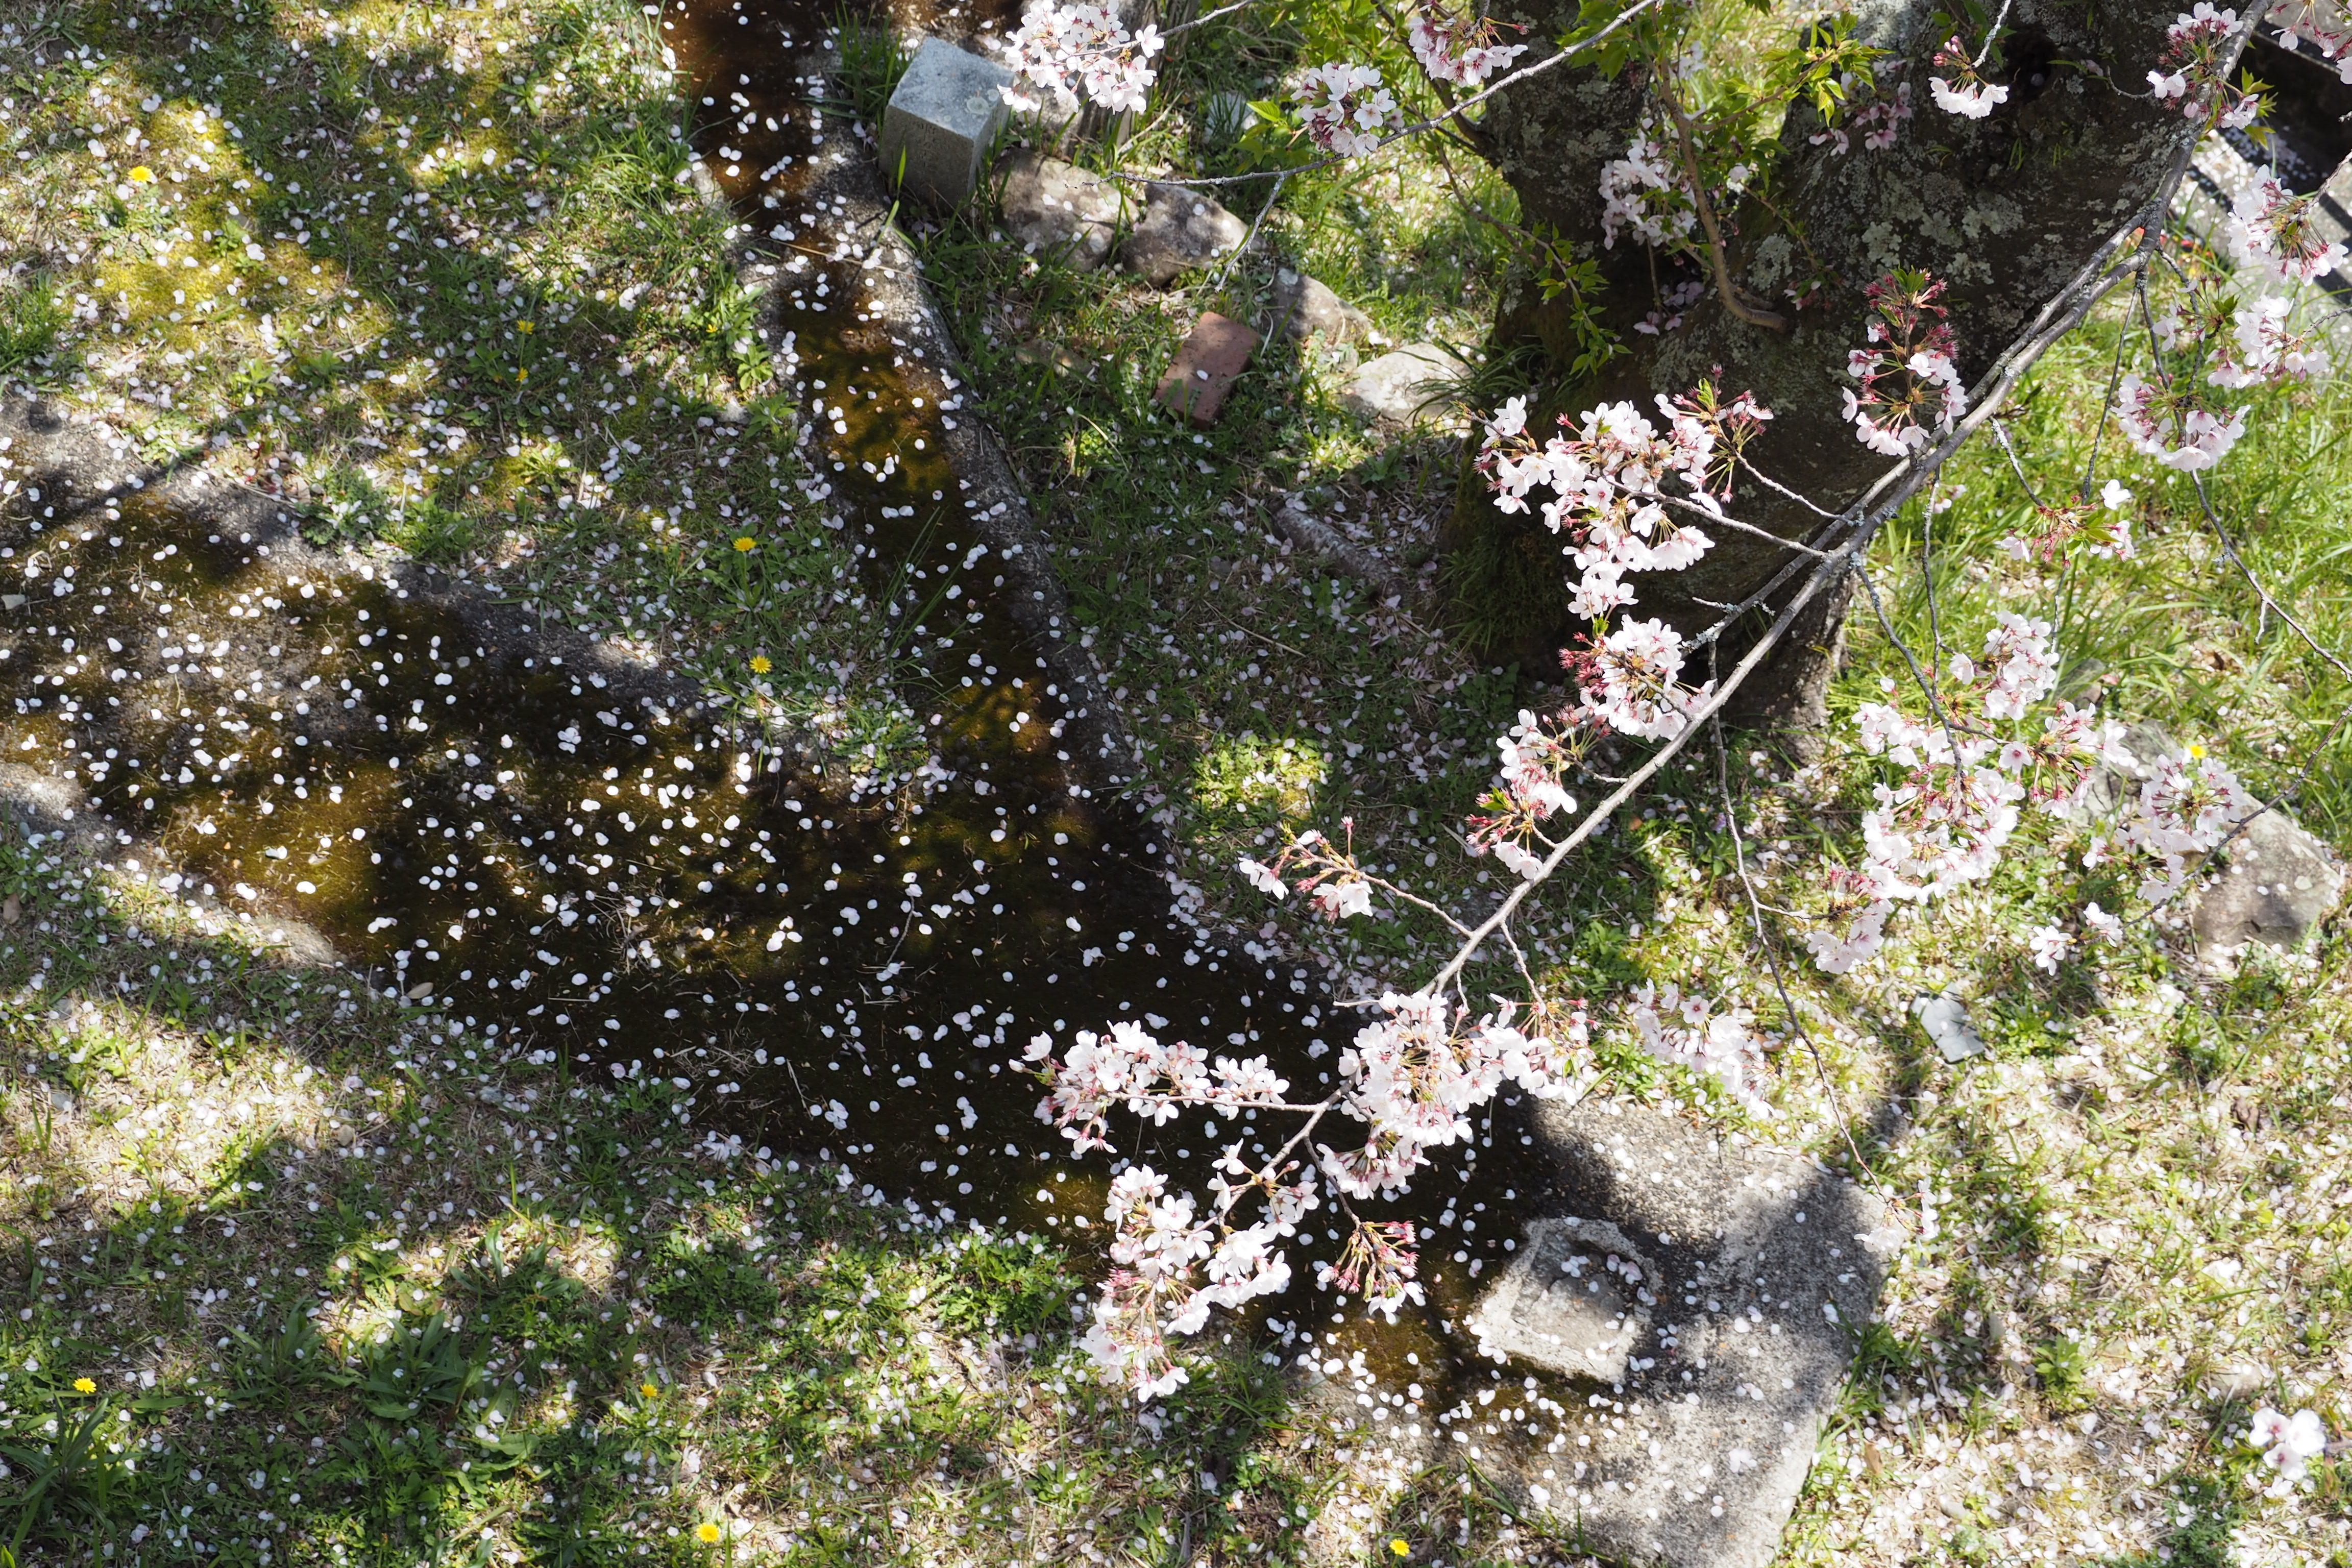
2272,228
1413,1077
2303,21
2245,344
1971,765
1609,482
1346,108
2188,807
1327,873
1459,48
1128,1066
1169,1270
1694,1033
1959,87
2180,424
2102,531
1377,1264
1629,681
2289,1444
1880,122
1672,304
1647,192
1870,110
1081,52
1537,759
1909,390
2194,71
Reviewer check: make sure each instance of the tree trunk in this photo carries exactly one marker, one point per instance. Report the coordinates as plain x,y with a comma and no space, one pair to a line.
2007,209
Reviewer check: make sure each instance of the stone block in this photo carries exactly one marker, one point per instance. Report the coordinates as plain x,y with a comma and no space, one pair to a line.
1181,229
1303,305
2278,883
937,128
1208,364
1054,208
1724,1329
1401,388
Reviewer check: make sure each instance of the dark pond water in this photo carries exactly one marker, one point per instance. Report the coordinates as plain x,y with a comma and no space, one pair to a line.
564,858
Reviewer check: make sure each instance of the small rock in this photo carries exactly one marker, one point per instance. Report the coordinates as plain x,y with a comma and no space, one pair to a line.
1206,367
1051,206
12,601
948,107
1404,385
1181,229
1303,305
2279,883
1946,1023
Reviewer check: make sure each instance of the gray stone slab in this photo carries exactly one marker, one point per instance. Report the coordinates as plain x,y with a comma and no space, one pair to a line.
1403,386
2278,884
937,126
1052,207
1717,1364
1181,229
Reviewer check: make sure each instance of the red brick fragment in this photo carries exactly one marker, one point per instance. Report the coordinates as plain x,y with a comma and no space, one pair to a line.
1206,367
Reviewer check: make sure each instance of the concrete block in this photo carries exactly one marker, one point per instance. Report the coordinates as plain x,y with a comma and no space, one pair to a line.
1181,228
1716,1306
948,107
1401,387
1206,367
1054,208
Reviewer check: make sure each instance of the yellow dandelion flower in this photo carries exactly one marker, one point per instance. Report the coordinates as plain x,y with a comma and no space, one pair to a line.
746,544
84,1385
760,664
523,327
140,174
522,376
647,1389
1399,1548
2198,752
706,1533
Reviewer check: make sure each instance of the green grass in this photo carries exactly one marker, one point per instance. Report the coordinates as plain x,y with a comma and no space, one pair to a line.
436,275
